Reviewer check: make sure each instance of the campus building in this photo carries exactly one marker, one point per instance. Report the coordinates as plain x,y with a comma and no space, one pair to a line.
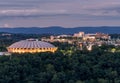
31,46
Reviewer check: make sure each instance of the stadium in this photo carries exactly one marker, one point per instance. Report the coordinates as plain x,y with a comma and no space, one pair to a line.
31,46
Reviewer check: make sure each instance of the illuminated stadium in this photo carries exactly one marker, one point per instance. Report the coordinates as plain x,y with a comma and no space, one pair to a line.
31,46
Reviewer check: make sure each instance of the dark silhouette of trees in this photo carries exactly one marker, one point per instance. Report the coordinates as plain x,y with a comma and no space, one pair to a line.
81,67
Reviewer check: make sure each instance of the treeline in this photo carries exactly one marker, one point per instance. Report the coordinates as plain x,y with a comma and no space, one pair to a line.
81,67
115,36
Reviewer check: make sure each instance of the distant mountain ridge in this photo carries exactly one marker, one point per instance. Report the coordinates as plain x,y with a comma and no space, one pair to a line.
61,30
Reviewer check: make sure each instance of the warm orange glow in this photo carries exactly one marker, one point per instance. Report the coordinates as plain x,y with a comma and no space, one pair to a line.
31,50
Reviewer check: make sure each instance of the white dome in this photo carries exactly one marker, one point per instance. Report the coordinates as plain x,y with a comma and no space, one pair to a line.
30,43
31,46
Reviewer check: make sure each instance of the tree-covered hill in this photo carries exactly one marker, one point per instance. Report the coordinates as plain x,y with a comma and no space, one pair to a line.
62,30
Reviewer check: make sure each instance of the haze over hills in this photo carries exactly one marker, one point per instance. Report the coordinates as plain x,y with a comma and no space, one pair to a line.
61,30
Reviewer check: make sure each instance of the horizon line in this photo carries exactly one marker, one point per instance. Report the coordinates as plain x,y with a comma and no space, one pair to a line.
59,27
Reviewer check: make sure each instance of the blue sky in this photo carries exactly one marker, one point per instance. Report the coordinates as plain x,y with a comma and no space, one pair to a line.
66,13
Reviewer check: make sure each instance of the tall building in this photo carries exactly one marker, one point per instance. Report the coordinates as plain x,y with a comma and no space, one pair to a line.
80,34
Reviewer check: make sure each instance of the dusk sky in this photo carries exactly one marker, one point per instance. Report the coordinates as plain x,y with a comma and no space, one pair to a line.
66,13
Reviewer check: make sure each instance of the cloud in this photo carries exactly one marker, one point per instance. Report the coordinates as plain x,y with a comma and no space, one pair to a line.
71,11
36,7
108,8
30,12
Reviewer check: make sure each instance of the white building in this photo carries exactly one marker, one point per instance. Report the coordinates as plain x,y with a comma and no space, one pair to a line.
80,34
89,37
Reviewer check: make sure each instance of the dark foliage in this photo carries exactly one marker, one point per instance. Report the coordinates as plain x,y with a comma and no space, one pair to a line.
81,67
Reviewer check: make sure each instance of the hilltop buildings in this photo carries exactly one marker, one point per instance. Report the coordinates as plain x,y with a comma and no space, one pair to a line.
81,39
80,34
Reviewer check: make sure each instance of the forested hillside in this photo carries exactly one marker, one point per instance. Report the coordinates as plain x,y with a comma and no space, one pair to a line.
96,66
62,30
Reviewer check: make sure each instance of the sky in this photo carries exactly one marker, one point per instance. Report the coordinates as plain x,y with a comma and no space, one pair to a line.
65,13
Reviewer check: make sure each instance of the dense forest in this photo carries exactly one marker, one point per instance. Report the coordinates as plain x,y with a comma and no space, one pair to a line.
67,65
97,66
